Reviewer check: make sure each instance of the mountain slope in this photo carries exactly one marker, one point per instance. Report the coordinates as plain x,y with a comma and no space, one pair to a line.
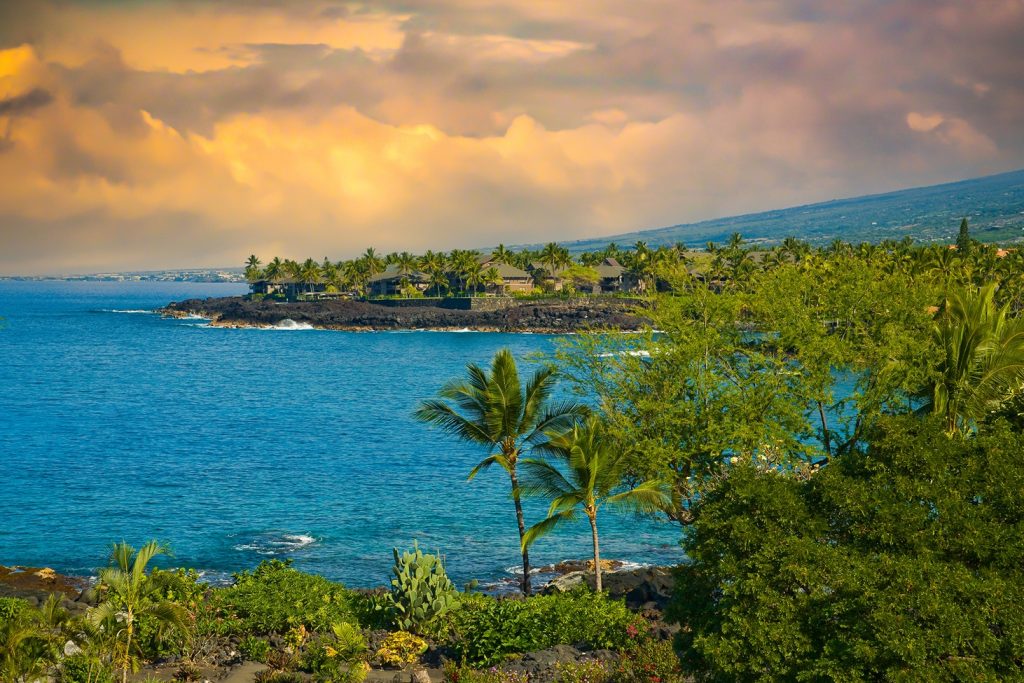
993,204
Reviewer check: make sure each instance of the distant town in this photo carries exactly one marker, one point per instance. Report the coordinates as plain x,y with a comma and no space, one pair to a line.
188,275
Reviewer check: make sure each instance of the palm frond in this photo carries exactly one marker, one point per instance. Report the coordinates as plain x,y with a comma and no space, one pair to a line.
441,414
496,459
546,526
541,478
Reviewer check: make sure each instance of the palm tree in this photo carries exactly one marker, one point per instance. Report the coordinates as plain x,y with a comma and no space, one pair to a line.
492,277
129,593
493,409
274,270
982,363
500,254
474,275
309,273
373,263
595,471
23,655
252,268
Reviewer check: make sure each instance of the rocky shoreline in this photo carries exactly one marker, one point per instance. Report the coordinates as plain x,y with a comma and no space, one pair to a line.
552,316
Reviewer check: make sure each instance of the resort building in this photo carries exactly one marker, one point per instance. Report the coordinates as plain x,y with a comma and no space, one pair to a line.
392,282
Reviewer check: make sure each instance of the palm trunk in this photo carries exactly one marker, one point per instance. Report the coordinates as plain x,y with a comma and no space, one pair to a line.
522,530
597,551
127,650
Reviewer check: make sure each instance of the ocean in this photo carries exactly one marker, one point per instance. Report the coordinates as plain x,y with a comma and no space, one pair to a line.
235,446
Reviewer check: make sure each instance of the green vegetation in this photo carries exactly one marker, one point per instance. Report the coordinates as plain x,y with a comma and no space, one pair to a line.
900,562
488,630
493,409
421,593
837,432
276,597
595,472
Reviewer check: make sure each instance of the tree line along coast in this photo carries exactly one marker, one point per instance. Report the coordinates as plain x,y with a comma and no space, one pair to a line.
836,432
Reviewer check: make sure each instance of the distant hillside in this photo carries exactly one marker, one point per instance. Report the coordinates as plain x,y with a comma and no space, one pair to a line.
993,204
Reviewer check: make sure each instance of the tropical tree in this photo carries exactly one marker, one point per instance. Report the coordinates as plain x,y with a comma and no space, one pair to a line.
23,652
492,408
492,278
274,270
252,269
373,264
309,273
130,594
501,254
595,471
982,364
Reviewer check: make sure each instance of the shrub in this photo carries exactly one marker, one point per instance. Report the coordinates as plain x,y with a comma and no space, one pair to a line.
84,669
489,630
903,562
11,607
421,593
278,677
589,671
254,649
275,598
649,661
460,673
401,649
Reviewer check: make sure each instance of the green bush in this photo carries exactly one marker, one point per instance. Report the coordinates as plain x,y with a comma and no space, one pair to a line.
84,669
460,673
421,592
11,607
275,597
254,649
590,671
649,660
489,630
902,563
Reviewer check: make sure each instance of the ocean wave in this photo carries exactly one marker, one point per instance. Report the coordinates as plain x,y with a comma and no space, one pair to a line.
274,543
289,324
129,310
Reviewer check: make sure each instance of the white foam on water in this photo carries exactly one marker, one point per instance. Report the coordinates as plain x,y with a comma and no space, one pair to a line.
638,353
130,310
289,324
276,543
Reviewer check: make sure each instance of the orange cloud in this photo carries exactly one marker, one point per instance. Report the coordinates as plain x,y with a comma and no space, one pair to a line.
171,134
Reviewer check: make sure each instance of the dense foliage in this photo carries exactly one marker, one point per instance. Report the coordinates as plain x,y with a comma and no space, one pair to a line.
901,562
276,597
488,630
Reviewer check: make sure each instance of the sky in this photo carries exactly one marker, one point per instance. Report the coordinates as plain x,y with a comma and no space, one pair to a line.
190,133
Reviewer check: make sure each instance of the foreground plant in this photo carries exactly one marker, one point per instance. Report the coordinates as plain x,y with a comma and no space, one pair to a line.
595,470
421,592
494,409
131,594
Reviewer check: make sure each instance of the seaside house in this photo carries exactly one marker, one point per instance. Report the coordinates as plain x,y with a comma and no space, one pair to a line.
289,287
392,280
512,279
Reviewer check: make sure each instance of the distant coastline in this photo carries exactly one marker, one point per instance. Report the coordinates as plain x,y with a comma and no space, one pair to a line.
551,316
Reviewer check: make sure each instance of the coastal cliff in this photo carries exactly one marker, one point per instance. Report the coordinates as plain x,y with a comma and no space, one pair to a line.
544,316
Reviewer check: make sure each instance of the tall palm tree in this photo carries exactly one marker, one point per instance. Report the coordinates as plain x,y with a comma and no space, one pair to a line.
500,254
372,262
274,270
594,476
474,275
129,593
982,364
309,273
492,278
493,408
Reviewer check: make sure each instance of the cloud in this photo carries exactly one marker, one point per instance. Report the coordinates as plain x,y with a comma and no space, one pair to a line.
192,132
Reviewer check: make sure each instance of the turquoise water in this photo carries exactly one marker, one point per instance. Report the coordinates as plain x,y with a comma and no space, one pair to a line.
240,445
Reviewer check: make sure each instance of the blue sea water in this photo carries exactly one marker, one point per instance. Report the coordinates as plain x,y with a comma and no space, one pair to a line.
240,445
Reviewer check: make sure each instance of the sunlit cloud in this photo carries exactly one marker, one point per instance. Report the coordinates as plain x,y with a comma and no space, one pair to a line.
160,134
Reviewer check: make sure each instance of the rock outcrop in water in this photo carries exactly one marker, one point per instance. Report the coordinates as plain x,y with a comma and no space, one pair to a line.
554,315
